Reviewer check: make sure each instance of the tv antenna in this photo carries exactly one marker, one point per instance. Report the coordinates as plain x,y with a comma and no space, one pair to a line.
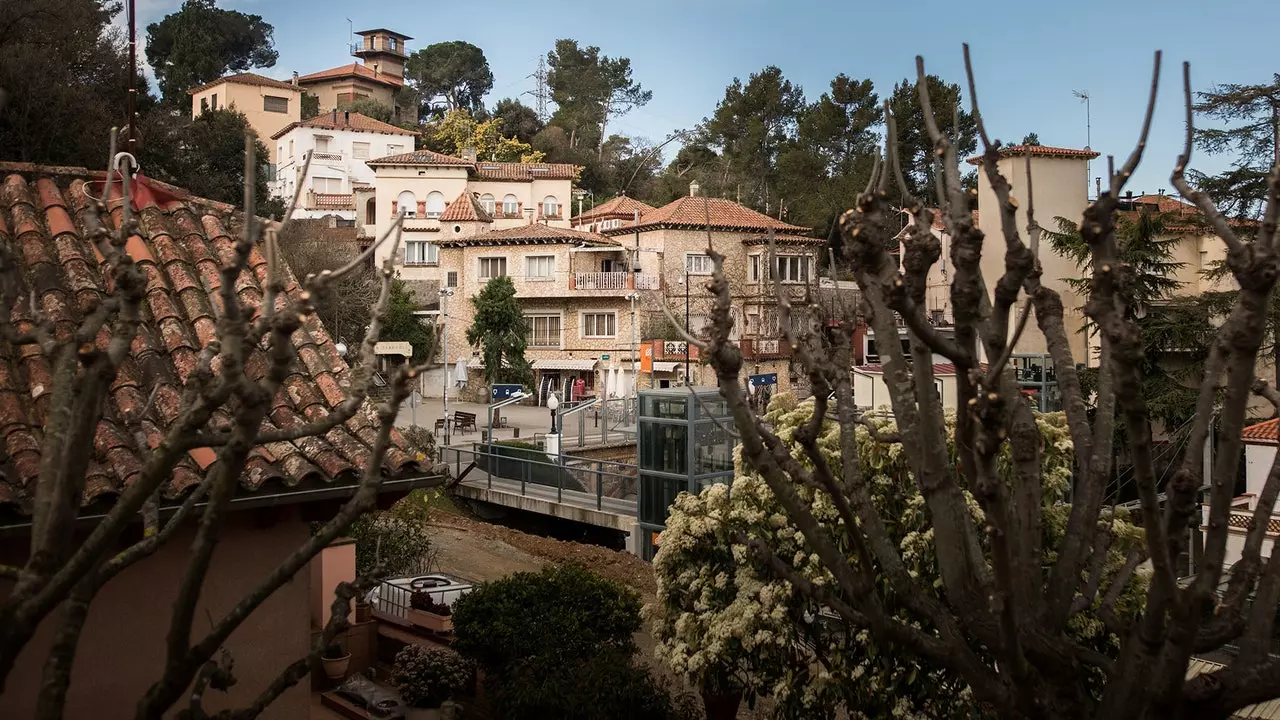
1083,95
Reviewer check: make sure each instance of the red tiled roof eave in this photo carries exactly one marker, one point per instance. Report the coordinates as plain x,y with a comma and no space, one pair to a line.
619,207
181,247
535,234
1262,433
1039,151
247,79
353,70
345,120
693,212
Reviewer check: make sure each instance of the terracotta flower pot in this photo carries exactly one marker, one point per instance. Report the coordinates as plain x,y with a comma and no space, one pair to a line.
364,612
336,668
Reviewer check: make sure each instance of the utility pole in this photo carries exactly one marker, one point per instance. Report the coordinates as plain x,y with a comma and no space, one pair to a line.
540,92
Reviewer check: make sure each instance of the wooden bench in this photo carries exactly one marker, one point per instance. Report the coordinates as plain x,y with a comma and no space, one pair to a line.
463,421
439,425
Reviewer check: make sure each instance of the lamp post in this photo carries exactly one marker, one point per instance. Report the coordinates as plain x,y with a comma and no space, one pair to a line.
552,448
686,322
445,294
635,377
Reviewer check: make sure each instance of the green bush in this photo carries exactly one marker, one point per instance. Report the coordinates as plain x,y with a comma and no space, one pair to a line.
559,613
427,677
420,439
603,686
397,539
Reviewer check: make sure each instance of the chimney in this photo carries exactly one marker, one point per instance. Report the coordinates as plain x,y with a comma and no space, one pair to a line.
469,153
528,216
295,77
693,189
335,116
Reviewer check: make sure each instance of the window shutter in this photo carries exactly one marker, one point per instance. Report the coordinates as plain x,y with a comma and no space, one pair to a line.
395,208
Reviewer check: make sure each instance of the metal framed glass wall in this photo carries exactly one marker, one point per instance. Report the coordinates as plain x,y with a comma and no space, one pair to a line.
682,446
1038,381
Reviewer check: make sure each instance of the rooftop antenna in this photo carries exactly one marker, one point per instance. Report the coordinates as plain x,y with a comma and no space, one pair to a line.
351,36
1083,95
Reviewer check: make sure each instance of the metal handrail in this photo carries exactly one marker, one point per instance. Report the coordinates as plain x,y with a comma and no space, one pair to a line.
626,474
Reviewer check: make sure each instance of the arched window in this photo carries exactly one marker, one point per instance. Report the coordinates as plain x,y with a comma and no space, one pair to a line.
510,205
370,212
407,204
435,204
488,203
550,206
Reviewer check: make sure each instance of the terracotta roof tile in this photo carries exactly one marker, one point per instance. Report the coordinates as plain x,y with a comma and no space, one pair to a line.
247,79
466,208
428,158
535,234
620,207
1038,151
1263,431
353,70
345,120
725,214
182,247
526,171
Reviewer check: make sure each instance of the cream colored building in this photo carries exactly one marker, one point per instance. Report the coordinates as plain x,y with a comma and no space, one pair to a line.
378,76
268,105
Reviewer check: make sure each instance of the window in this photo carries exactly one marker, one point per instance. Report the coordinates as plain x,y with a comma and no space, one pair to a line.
697,264
360,151
346,98
602,325
326,185
550,206
213,103
370,212
544,330
435,204
406,204
793,268
392,42
395,149
753,268
487,202
492,267
540,267
271,103
510,205
451,279
290,148
204,105
421,252
322,143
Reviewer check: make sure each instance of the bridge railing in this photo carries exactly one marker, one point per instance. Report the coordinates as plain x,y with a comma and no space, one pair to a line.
584,478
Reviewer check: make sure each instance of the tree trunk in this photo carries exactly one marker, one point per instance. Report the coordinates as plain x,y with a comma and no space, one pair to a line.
721,705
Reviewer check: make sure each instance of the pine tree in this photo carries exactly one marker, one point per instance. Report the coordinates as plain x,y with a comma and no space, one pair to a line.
501,332
1252,115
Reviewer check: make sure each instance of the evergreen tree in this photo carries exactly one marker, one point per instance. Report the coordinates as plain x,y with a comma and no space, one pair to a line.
456,72
201,42
1252,115
369,108
501,332
914,145
402,325
589,90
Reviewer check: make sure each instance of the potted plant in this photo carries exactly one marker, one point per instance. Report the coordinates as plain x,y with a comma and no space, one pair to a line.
364,611
335,659
427,677
426,613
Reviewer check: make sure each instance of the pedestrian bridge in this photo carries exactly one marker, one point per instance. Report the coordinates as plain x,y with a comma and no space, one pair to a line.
521,477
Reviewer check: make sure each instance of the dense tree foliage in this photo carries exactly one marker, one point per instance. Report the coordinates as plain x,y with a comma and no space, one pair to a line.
1251,114
402,325
451,75
370,108
501,332
916,148
457,131
202,42
589,89
518,120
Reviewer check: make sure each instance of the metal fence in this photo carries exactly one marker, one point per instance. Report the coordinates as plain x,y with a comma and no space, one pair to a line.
581,479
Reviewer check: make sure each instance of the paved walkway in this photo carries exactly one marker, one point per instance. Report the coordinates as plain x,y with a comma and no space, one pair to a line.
527,419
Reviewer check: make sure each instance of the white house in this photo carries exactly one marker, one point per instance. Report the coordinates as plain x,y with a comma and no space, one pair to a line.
871,392
340,143
1260,443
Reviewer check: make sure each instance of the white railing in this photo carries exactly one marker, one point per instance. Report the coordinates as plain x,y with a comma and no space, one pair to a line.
317,155
648,282
600,280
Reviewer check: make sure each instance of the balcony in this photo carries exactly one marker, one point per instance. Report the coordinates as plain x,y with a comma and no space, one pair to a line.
317,156
757,348
617,281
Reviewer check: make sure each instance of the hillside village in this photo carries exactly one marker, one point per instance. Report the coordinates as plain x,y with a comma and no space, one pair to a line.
356,392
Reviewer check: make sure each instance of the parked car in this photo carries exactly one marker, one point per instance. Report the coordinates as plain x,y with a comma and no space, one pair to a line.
390,599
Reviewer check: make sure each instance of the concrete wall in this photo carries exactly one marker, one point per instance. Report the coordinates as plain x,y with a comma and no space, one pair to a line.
122,649
248,99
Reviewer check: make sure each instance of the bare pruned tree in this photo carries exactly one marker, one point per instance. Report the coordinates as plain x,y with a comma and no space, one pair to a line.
224,405
1001,620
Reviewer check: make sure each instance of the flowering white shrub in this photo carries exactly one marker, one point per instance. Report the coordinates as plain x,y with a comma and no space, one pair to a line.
725,621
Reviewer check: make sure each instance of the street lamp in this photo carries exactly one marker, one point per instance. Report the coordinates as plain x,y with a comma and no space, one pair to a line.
445,294
553,404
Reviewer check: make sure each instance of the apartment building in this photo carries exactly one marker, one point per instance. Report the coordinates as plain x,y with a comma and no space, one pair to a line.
581,320
670,244
339,143
378,76
267,104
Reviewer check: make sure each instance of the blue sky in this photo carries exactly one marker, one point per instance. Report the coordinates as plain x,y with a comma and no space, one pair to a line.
1028,55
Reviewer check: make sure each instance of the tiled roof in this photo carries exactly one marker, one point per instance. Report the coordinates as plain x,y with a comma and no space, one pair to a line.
466,208
353,70
784,240
525,171
535,234
247,79
1038,151
428,158
185,242
344,120
691,212
621,206
1263,431
938,369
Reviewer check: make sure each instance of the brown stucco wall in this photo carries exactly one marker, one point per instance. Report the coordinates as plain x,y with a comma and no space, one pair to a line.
122,650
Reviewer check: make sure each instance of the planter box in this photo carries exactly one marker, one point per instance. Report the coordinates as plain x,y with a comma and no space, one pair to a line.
431,621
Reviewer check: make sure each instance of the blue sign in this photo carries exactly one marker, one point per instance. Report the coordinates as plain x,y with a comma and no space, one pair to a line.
502,392
762,380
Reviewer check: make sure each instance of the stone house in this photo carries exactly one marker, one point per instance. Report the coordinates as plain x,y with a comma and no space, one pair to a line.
183,245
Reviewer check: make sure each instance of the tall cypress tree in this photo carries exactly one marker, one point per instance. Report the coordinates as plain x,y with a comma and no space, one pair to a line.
501,332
